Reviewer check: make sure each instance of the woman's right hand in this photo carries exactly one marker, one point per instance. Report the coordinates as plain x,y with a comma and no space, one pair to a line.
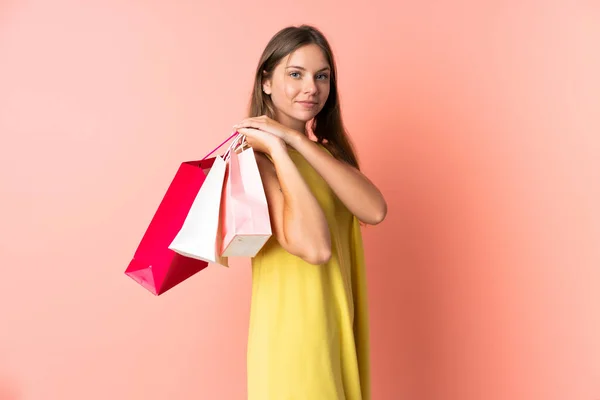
262,141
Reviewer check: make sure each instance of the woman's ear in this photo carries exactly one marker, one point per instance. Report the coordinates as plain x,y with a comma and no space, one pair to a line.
266,86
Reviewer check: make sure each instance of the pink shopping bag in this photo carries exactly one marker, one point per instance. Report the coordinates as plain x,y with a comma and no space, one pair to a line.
154,266
245,224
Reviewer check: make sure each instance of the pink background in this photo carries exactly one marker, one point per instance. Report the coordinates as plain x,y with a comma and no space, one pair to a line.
478,120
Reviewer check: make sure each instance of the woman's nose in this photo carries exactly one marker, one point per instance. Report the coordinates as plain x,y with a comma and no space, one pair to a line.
309,86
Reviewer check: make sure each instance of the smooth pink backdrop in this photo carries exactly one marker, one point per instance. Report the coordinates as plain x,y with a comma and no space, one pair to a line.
479,121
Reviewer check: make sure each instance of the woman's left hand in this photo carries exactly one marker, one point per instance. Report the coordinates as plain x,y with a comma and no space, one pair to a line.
268,125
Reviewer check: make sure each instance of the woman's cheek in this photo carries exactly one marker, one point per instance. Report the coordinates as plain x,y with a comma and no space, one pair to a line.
324,91
291,90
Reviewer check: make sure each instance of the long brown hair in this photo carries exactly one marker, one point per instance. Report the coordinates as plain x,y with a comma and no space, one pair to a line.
327,126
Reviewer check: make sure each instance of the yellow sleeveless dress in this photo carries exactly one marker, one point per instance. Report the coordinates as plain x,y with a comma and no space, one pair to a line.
309,329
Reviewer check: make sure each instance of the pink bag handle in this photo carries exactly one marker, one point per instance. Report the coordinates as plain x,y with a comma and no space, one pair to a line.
221,145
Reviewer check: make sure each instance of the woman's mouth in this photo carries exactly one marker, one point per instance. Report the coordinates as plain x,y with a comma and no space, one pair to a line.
307,104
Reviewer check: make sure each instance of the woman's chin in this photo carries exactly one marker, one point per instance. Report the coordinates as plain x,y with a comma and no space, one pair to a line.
297,119
305,116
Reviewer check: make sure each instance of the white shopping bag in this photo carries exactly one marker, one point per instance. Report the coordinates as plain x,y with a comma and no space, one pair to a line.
200,235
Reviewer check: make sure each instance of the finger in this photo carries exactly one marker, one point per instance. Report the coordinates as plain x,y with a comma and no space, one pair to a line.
249,132
254,130
249,123
244,132
265,120
244,123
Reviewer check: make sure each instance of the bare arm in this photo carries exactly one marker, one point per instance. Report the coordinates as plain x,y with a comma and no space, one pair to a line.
298,221
352,187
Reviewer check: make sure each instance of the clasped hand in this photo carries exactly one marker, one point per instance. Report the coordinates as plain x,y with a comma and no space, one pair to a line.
265,134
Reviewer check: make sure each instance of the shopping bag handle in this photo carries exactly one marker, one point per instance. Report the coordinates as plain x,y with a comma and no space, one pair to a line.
237,143
221,145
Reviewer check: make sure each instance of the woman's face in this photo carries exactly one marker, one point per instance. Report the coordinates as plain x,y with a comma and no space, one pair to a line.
299,86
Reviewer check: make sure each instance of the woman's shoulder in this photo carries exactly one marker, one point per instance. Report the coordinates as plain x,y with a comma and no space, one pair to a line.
324,145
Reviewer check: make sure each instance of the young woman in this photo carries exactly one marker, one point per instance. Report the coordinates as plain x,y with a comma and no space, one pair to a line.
309,333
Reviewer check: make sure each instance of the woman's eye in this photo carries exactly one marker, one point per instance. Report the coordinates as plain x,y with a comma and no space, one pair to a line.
322,77
295,74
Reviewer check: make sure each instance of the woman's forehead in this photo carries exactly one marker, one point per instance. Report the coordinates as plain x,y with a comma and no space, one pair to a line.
310,57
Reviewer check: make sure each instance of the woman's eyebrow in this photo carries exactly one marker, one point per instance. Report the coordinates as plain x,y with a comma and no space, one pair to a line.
304,69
